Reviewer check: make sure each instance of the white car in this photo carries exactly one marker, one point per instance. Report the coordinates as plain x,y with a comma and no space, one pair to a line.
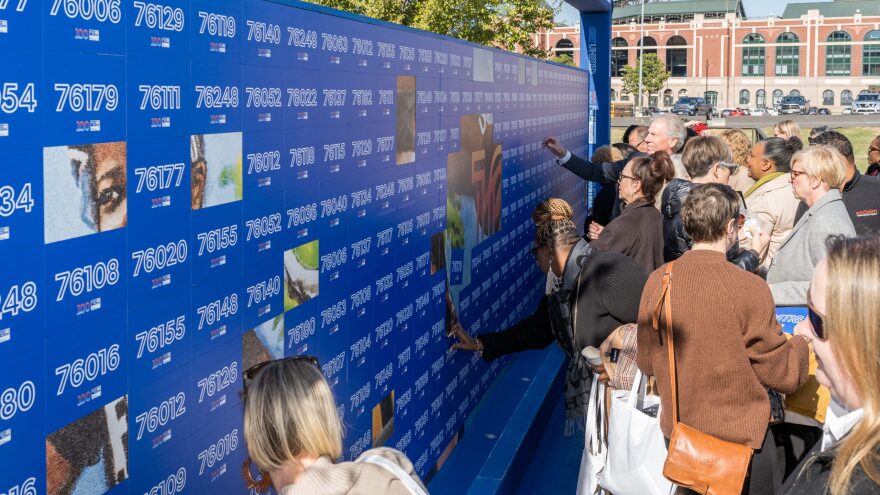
758,112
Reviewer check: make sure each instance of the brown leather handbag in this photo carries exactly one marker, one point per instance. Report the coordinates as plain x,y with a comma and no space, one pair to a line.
694,459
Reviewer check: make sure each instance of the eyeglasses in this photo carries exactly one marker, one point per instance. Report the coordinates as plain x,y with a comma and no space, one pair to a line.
873,150
624,176
817,323
796,173
251,373
733,167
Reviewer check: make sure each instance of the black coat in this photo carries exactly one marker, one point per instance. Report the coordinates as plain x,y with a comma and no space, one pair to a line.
675,240
814,472
610,292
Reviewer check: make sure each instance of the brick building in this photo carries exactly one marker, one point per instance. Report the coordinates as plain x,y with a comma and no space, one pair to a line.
828,52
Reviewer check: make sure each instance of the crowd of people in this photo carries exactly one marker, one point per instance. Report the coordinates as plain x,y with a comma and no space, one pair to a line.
738,229
750,227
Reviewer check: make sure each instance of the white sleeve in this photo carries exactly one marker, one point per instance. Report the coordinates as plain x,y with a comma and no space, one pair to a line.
564,159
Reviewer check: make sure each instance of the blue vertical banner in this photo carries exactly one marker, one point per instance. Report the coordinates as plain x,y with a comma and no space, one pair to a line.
195,187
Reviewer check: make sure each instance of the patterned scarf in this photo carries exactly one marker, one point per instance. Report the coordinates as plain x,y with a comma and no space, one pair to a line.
579,374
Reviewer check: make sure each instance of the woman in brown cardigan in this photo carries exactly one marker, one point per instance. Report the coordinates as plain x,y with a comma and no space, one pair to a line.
728,345
638,231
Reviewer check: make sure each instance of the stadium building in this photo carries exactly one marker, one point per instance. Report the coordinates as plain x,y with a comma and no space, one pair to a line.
828,52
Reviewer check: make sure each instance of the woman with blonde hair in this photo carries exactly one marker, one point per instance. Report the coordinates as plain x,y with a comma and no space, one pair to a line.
741,148
846,341
787,129
294,436
816,176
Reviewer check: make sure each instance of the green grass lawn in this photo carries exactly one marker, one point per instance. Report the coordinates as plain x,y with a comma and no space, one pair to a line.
859,136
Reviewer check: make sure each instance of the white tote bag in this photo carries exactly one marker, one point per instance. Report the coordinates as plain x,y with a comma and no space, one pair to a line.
636,447
595,446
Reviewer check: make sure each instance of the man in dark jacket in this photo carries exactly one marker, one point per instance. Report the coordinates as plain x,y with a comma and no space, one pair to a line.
666,133
861,193
708,160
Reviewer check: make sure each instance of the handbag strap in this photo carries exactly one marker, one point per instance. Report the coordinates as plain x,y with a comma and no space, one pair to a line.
666,301
397,471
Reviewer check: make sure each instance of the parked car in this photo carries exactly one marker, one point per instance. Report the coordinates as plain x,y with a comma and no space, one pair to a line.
772,111
758,112
824,111
692,105
813,111
794,105
847,111
866,103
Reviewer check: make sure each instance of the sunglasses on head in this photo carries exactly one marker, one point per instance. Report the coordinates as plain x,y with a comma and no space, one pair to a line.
250,373
817,323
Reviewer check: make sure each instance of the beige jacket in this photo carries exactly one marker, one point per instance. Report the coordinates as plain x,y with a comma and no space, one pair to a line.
741,181
774,206
353,478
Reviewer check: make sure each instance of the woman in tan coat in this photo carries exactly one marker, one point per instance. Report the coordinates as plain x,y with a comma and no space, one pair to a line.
770,200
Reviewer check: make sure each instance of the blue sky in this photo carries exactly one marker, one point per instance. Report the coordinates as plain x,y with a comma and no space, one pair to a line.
754,8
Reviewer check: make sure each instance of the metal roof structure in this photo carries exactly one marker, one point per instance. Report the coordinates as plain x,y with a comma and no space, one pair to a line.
678,10
839,8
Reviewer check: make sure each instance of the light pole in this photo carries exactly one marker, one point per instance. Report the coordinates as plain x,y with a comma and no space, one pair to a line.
706,93
641,53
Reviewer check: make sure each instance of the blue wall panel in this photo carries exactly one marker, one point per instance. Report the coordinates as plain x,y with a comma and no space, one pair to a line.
192,187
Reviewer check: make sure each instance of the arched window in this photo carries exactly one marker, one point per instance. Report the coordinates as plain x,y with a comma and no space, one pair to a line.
564,47
682,92
613,95
828,97
761,98
619,56
676,58
667,98
787,57
744,97
794,92
838,54
777,96
871,54
846,97
650,45
753,56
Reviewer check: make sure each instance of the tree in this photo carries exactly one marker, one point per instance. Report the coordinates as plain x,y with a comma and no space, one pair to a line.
654,76
563,58
507,24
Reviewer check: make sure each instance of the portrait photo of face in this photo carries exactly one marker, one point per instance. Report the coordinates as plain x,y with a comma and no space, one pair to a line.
406,119
85,189
215,169
90,455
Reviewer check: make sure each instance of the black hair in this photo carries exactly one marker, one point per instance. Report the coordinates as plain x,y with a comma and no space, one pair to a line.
779,151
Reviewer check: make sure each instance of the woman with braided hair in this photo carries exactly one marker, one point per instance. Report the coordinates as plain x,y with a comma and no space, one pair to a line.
589,293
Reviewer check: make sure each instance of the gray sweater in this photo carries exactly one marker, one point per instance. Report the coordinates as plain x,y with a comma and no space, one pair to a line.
792,268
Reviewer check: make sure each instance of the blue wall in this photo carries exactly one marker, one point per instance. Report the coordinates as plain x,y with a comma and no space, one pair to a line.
192,187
